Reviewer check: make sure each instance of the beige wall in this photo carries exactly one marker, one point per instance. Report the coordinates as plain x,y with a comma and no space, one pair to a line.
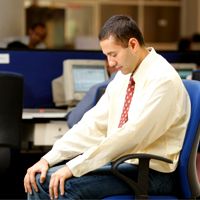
190,22
11,18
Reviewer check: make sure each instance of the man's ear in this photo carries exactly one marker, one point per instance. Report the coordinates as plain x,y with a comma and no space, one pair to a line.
133,43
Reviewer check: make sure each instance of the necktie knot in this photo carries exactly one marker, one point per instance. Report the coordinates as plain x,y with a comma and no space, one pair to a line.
131,81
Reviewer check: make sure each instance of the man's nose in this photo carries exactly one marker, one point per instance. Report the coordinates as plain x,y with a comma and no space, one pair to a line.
112,63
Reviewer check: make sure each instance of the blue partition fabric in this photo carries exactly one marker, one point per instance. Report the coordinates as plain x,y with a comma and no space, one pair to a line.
39,68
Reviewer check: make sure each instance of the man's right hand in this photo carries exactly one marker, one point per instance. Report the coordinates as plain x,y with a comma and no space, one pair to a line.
42,167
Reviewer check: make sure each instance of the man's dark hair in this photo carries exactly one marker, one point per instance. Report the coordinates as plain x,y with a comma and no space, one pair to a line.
122,28
196,37
41,24
184,44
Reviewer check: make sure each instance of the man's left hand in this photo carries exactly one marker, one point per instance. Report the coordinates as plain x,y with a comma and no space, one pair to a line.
58,181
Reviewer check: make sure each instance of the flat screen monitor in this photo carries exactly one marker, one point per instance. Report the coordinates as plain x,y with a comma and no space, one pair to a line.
79,75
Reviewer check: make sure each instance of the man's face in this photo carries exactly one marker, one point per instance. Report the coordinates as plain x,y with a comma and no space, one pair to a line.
38,35
119,57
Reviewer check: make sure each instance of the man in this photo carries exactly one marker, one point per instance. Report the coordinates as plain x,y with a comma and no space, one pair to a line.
156,124
36,36
34,40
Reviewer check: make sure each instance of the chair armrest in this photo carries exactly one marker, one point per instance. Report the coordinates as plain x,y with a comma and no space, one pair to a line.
139,188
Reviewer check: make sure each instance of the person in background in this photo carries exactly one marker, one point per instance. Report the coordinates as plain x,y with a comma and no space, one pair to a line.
195,41
90,99
184,44
34,40
36,36
196,37
154,122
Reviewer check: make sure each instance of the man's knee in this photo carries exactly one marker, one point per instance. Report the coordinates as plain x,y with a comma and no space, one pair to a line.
42,192
37,178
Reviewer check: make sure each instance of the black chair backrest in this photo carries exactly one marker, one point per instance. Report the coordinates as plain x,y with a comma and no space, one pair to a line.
196,75
11,104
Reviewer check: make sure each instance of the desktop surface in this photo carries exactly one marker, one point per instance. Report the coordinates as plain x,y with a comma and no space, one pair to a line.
43,127
47,113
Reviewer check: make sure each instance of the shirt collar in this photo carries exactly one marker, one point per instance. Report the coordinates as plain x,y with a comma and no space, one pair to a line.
144,64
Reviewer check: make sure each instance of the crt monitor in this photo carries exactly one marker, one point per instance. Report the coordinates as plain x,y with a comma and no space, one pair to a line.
79,75
185,69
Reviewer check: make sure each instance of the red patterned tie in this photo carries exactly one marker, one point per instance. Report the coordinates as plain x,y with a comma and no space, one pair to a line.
127,102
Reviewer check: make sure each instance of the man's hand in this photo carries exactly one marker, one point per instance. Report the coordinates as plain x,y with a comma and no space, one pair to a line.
58,181
29,180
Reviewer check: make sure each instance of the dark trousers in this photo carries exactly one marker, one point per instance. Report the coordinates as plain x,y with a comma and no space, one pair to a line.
102,183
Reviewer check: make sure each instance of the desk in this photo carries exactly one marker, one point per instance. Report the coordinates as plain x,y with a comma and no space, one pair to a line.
43,127
46,113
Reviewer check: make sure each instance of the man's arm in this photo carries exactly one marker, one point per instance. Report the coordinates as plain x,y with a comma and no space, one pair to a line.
157,112
91,130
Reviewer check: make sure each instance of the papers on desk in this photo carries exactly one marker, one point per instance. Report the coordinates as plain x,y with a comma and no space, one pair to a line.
45,113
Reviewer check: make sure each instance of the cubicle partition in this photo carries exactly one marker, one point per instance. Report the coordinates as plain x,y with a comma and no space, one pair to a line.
182,56
40,67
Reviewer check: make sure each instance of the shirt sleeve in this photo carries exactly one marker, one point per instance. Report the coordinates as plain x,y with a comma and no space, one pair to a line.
158,110
91,130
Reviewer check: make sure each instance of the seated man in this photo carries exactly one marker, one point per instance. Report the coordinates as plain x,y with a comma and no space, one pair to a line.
35,39
145,109
90,99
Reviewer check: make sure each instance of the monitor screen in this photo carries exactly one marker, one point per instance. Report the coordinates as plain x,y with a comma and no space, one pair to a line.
85,77
79,75
184,73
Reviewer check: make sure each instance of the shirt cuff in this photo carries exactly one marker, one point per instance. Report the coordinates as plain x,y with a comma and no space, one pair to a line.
52,157
80,166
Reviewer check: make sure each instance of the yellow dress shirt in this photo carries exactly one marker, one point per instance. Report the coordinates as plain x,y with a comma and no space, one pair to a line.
157,121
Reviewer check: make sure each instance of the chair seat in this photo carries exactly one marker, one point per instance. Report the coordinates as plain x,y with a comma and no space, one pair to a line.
130,197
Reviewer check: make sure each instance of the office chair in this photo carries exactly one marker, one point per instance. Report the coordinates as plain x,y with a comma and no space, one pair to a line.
89,101
11,103
190,187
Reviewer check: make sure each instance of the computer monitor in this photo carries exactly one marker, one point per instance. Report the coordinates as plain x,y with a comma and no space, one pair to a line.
185,69
79,75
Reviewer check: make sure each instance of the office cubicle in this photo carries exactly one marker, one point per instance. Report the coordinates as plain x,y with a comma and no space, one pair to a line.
184,62
40,67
